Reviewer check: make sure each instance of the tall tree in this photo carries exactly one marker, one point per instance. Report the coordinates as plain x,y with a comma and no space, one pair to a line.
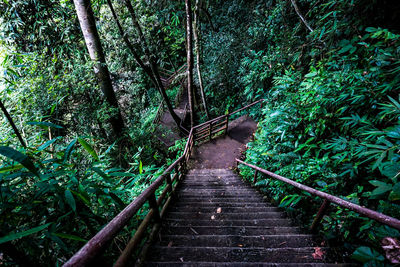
197,36
151,70
93,44
189,56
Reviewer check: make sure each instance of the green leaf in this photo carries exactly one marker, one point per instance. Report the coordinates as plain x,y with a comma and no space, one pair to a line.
366,254
18,235
70,199
395,194
48,143
68,236
88,148
69,150
44,124
381,188
140,167
101,173
19,157
11,168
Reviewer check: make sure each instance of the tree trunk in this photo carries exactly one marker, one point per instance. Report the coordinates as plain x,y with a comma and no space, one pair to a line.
197,36
92,40
10,120
154,75
189,56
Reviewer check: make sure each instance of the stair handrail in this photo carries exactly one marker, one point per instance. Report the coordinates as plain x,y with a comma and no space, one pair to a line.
328,198
102,239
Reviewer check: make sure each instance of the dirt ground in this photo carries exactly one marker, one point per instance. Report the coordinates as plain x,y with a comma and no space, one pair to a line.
221,152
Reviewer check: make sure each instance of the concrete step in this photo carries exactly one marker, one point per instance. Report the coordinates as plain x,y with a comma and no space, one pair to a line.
217,191
224,215
171,229
229,222
226,254
223,198
215,209
271,241
222,204
243,264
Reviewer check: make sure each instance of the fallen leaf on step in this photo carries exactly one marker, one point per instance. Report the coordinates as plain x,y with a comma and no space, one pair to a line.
170,244
240,245
181,259
391,246
318,254
219,210
212,217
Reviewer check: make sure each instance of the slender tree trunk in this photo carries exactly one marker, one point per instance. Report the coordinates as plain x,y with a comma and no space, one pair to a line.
296,8
92,40
155,77
189,59
10,120
197,36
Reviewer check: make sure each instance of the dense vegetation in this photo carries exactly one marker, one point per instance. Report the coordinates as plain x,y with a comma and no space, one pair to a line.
331,119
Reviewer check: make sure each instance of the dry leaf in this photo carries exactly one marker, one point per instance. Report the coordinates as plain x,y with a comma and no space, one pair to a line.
181,259
318,254
240,245
219,210
212,217
391,246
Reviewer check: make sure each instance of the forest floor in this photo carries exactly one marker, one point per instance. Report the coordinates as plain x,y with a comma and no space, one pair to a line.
220,153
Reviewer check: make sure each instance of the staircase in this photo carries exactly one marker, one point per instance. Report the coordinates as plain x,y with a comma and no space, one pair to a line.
218,220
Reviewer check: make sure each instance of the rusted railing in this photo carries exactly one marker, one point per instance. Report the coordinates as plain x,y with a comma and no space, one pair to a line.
170,178
328,198
169,76
212,128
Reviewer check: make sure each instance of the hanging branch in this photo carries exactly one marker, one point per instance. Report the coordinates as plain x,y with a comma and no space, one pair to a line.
10,120
296,8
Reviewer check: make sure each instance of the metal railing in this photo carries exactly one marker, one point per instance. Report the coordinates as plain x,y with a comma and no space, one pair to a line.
328,198
170,178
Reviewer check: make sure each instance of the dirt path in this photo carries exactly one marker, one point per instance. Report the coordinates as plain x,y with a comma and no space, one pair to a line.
221,152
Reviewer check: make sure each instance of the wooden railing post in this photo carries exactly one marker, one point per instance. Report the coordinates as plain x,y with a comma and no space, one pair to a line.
226,124
255,176
154,206
210,131
320,214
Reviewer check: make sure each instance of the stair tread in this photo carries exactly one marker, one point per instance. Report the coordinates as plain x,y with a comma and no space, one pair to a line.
223,254
218,219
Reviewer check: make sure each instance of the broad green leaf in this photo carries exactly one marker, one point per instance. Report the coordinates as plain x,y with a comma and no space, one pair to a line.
88,148
71,237
18,235
70,199
19,157
69,150
44,124
101,173
366,254
395,194
381,187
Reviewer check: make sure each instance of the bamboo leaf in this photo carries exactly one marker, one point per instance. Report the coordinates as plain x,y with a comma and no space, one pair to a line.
71,237
19,157
70,199
44,124
88,148
18,235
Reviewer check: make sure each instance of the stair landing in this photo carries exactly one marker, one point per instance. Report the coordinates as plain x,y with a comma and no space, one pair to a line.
218,220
